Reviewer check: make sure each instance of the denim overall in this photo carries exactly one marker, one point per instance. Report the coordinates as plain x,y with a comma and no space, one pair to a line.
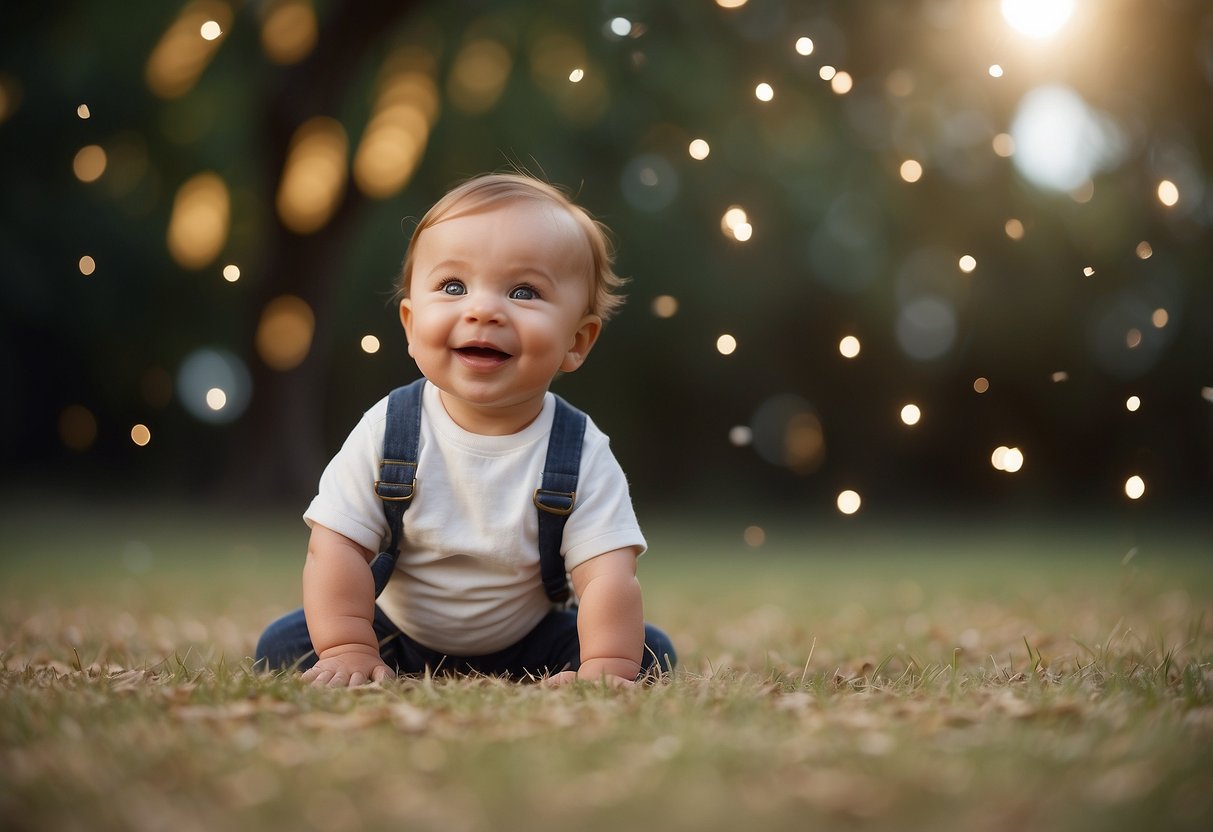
552,646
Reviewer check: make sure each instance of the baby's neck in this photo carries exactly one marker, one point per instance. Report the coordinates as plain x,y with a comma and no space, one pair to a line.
491,421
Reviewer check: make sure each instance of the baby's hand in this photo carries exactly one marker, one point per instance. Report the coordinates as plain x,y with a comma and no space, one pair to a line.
353,668
569,676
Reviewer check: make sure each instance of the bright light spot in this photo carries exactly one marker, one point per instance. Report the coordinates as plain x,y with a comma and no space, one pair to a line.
1159,318
967,263
1014,229
370,344
740,436
849,346
743,231
87,265
140,435
1060,141
733,217
842,83
216,398
1144,250
848,501
288,30
1060,377
726,344
1004,145
665,306
1037,18
82,111
89,163
911,170
211,30
910,414
754,536
1133,338
981,384
730,4
995,71
1007,459
314,177
1206,393
827,72
1088,271
621,26
764,92
209,369
1133,404
231,272
699,149
1168,193
804,46
576,75
1135,487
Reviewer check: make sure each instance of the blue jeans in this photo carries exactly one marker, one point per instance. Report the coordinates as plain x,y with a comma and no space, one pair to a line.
552,646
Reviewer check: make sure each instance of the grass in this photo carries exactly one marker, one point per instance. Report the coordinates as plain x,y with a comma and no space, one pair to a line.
1002,677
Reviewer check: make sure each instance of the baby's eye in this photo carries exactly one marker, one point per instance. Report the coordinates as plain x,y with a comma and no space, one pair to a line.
453,287
523,293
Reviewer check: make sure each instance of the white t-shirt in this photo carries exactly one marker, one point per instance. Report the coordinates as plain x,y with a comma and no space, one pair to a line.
467,582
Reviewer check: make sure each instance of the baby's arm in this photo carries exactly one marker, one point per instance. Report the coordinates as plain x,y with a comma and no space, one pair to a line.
339,603
610,617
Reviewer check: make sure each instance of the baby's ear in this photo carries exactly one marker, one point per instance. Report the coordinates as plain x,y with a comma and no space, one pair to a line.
583,341
406,321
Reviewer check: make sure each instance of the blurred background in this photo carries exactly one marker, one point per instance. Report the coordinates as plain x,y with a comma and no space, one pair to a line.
885,257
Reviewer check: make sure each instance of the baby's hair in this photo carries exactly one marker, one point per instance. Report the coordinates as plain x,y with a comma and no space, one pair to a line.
492,189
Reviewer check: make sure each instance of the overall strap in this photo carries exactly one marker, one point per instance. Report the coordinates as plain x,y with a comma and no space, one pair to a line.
397,481
557,495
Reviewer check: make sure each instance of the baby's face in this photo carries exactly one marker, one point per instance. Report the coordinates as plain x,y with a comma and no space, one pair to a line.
497,306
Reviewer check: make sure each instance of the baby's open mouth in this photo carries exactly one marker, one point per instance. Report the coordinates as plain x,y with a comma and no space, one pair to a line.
483,352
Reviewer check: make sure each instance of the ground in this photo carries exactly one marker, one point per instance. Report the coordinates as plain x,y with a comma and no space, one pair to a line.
1002,674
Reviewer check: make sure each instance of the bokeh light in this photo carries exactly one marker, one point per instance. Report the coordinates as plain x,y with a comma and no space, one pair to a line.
83,111
726,344
649,182
1135,487
284,332
210,369
849,346
995,71
981,384
1007,459
1133,404
1037,18
288,30
740,436
699,149
665,306
1144,250
577,76
1088,271
216,398
754,536
911,170
89,163
1159,318
911,414
827,73
77,427
926,327
314,177
198,224
231,272
1014,229
1003,145
1168,193
141,435
841,83
87,265
478,78
1059,377
764,92
369,344
804,46
180,56
210,30
967,263
848,501
1060,142
787,432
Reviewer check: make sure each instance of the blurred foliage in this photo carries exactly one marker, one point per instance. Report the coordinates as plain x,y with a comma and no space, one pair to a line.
841,244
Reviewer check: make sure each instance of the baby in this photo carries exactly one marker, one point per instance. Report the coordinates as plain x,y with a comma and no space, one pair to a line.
506,283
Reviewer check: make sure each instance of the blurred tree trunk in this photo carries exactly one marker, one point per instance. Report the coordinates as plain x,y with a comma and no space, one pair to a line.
279,452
